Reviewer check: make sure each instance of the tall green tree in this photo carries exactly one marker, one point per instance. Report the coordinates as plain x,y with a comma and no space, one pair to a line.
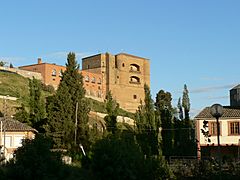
68,109
34,160
186,102
119,157
164,110
22,115
112,108
185,144
180,110
36,103
148,125
2,63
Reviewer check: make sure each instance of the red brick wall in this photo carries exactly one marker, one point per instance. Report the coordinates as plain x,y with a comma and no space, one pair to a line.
92,81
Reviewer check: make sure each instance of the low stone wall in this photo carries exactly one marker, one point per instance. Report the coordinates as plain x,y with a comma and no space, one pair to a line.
24,73
8,98
120,119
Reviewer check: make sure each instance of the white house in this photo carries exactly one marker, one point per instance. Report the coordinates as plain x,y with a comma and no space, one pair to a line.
229,133
229,129
12,133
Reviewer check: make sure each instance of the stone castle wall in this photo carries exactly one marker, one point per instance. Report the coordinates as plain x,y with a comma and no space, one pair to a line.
24,73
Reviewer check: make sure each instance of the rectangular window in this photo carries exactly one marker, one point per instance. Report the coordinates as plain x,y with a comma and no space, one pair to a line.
213,128
234,128
18,141
8,141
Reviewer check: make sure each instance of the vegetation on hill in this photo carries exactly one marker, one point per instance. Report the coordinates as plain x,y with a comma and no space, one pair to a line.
15,85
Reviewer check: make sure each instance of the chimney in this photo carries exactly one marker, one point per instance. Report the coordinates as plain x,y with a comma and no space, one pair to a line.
39,61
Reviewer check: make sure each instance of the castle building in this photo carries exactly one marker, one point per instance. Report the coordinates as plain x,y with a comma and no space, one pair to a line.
122,74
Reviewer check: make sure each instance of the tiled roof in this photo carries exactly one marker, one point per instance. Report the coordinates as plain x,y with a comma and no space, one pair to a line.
228,112
13,125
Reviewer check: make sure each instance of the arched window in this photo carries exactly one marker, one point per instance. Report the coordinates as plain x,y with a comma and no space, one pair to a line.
134,79
93,80
134,67
54,72
99,81
60,74
87,78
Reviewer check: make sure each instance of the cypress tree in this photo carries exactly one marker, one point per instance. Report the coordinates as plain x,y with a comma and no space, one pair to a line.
112,108
148,125
180,110
67,107
164,110
186,102
36,104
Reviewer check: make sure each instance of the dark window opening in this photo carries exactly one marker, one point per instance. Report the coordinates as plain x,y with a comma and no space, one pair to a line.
134,68
116,65
135,80
54,72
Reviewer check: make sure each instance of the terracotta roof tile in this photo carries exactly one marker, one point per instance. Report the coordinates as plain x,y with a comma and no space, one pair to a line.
228,112
13,125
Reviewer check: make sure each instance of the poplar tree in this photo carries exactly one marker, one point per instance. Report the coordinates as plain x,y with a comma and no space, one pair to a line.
180,110
36,104
148,125
164,110
112,108
186,102
68,109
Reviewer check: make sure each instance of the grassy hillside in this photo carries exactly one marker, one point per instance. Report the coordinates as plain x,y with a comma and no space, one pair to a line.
100,107
13,85
17,86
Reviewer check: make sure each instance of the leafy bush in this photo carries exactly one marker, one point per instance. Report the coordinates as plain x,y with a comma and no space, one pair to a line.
119,157
48,88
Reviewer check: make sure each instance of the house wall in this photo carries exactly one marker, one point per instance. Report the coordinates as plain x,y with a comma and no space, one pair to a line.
13,141
225,138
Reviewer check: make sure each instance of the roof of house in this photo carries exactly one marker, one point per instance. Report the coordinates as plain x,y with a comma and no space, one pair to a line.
236,87
14,125
228,112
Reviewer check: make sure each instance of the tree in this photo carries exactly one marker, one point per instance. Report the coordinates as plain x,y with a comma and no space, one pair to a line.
34,160
180,110
148,126
36,104
22,115
112,108
120,157
185,144
68,109
186,102
11,65
164,110
2,63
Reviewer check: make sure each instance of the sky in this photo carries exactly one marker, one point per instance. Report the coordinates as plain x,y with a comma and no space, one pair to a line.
192,42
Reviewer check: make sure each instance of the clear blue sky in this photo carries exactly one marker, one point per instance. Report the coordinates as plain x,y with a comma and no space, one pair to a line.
193,42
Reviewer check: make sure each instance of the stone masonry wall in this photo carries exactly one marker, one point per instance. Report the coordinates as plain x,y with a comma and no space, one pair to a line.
24,73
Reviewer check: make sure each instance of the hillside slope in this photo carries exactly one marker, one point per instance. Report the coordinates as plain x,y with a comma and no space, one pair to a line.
15,85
